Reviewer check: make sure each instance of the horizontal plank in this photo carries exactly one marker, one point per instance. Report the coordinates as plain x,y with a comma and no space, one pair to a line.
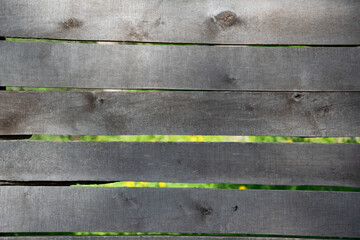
86,209
180,113
150,237
179,67
309,22
241,163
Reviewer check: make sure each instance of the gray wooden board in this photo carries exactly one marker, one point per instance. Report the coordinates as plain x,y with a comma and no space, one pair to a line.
180,113
150,237
309,22
179,67
242,163
91,209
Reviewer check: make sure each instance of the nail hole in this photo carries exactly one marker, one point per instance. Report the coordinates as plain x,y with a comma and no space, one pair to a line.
297,97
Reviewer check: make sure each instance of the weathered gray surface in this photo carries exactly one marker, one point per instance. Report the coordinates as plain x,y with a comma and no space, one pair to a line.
242,163
81,209
10,137
202,21
179,67
199,113
149,237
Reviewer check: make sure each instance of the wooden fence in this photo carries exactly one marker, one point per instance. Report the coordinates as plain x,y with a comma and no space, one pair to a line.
215,79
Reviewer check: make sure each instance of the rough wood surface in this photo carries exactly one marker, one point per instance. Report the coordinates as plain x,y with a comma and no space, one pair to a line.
3,88
150,237
314,22
86,209
242,163
180,113
179,67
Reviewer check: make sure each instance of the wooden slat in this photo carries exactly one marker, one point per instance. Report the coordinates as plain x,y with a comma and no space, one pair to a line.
202,113
242,163
150,237
179,67
313,22
81,209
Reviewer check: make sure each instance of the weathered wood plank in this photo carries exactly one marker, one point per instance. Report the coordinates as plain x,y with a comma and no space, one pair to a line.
179,67
149,237
242,163
81,209
177,113
203,21
3,88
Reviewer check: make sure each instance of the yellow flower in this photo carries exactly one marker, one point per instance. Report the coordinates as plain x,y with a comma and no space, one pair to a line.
144,183
289,140
242,187
200,139
129,184
162,184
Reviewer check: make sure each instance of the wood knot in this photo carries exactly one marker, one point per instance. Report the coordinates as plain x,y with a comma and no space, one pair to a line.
249,108
321,112
94,101
206,211
71,23
100,101
231,80
226,18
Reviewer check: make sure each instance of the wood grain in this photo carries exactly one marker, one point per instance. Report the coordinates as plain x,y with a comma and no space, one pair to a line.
179,67
241,163
84,209
306,22
180,113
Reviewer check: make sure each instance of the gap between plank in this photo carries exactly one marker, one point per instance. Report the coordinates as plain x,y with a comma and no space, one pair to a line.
133,184
162,43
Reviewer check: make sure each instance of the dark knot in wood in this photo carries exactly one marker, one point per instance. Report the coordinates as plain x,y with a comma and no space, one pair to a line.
226,18
71,23
206,211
